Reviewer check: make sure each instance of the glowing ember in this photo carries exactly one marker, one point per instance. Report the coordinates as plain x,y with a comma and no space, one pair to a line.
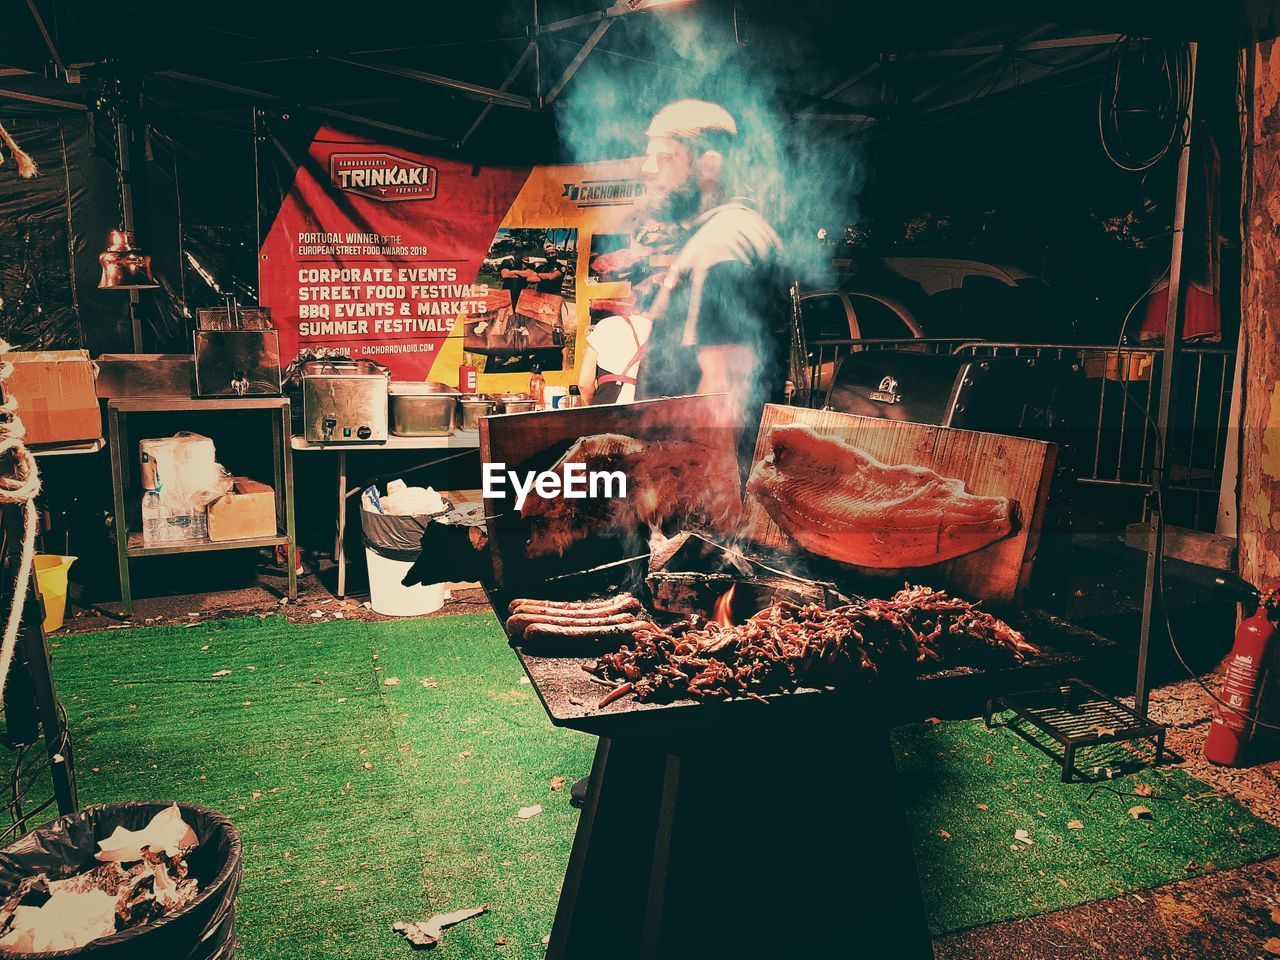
724,606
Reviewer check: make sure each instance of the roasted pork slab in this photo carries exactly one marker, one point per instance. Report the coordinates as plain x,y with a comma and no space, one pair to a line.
837,501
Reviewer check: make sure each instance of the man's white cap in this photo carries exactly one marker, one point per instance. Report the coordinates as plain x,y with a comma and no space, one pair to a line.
689,119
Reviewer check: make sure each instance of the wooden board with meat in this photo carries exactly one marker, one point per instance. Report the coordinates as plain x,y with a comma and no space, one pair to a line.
953,508
681,473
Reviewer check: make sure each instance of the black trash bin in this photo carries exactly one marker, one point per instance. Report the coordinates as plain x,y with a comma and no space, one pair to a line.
205,929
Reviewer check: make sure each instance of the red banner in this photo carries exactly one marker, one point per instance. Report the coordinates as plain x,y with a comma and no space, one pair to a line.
377,250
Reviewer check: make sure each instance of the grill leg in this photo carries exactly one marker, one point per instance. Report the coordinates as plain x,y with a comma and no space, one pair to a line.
987,712
1159,748
1068,763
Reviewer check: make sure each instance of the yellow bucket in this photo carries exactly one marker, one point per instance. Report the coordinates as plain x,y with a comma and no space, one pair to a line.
51,579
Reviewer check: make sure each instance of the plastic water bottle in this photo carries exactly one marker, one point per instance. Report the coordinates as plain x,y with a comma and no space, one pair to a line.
153,525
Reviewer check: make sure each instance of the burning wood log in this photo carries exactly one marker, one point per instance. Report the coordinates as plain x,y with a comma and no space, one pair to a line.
696,594
688,574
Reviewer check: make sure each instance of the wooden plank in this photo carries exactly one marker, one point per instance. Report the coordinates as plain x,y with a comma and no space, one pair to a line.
988,464
1259,425
535,441
1191,546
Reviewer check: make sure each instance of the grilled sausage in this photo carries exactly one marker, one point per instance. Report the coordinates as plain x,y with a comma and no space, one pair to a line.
595,608
520,622
613,631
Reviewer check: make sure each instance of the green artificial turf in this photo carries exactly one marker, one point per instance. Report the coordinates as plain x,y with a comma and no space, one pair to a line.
361,802
336,852
969,789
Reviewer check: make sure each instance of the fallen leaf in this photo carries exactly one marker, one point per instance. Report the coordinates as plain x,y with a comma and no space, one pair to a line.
944,835
1102,731
464,754
1275,914
342,699
257,794
1023,837
430,684
500,942
1063,882
367,765
1074,825
932,722
528,813
983,806
557,783
391,681
1140,812
205,647
524,680
1272,945
223,673
1142,789
989,761
427,934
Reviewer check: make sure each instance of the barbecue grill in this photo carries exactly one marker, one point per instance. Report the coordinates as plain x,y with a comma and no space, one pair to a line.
640,883
702,814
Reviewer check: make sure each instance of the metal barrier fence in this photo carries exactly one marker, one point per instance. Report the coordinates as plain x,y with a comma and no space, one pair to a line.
1118,442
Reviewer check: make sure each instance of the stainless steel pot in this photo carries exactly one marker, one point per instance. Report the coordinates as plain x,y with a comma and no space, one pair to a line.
520,406
473,408
422,409
522,402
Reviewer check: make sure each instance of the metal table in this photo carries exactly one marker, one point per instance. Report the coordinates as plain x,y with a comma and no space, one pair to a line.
130,544
460,442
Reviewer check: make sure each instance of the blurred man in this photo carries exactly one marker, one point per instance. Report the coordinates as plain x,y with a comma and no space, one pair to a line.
721,299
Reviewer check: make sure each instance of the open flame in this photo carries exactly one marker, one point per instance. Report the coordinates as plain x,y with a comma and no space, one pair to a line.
724,605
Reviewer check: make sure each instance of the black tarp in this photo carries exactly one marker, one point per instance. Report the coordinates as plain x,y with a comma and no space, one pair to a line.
52,228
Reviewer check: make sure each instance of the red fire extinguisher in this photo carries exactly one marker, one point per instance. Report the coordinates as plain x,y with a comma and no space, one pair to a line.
1235,713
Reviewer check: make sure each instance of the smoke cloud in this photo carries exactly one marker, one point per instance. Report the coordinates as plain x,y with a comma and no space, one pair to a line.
802,178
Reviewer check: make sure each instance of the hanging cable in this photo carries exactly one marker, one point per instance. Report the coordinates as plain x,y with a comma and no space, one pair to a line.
1169,109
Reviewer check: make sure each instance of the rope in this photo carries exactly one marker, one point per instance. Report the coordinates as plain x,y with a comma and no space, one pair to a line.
19,486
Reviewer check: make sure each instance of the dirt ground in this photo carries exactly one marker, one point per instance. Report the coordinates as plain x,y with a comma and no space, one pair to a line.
1225,915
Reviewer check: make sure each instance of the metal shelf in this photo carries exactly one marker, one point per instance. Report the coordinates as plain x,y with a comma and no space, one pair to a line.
129,544
138,549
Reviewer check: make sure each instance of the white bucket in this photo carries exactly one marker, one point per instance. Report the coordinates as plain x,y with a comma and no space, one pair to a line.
388,596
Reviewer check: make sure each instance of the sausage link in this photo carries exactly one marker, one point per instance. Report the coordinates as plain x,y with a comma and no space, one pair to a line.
520,622
613,631
604,608
570,604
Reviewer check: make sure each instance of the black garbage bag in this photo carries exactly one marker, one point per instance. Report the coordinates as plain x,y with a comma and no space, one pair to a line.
392,535
205,929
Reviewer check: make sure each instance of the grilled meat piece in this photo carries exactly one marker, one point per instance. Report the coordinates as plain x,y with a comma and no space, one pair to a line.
669,483
838,502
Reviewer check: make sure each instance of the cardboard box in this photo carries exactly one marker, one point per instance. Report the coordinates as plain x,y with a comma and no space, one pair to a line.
56,397
248,511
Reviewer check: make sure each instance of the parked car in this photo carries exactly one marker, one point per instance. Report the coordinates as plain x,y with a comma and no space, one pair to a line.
851,315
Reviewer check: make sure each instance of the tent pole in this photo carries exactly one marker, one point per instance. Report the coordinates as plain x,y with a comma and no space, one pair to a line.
1164,413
